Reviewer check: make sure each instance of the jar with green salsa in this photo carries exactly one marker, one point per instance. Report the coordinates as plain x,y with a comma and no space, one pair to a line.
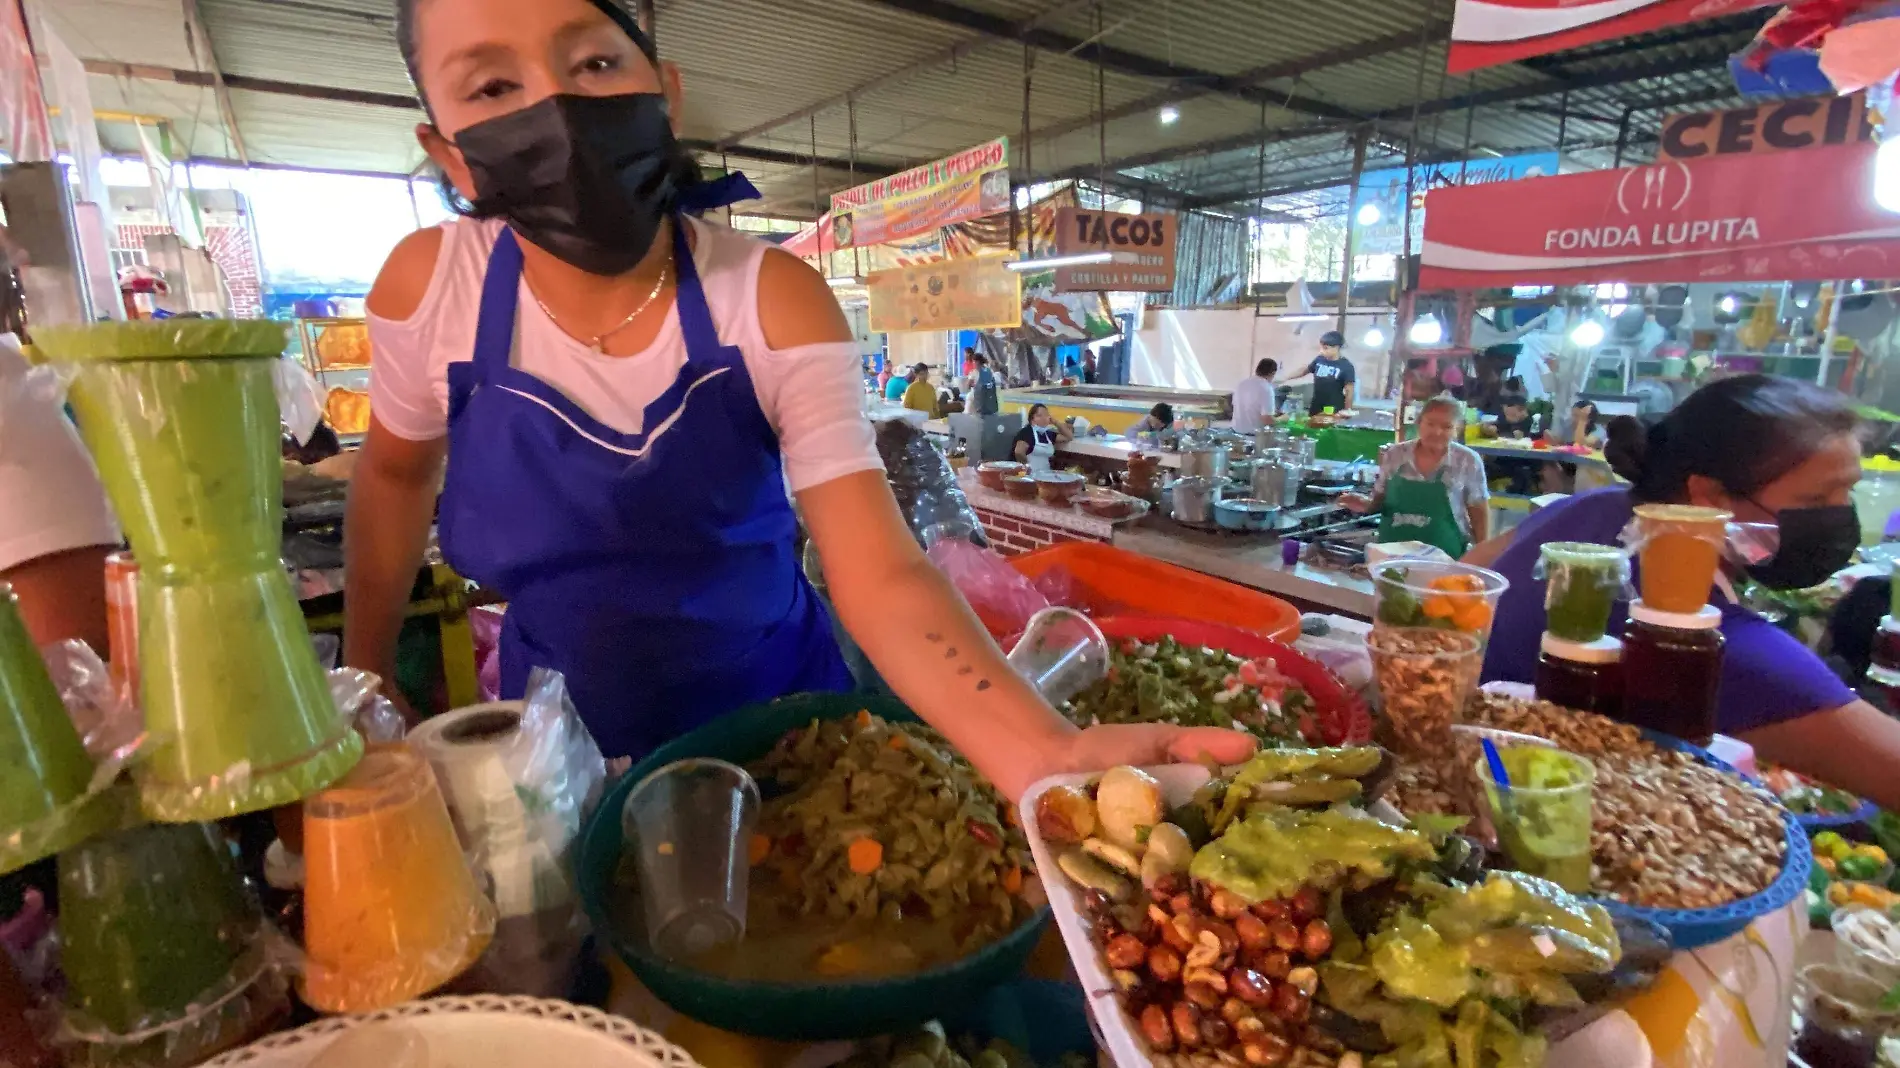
1584,581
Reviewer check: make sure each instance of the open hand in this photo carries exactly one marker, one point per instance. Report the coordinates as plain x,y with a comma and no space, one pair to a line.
1149,744
1356,503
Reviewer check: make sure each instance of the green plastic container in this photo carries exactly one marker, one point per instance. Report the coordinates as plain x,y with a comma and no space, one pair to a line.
1583,582
44,769
181,418
805,1012
162,941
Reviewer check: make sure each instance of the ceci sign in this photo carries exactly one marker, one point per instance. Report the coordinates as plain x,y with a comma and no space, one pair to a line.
1779,126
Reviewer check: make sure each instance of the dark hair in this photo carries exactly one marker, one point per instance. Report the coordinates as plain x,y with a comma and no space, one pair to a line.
920,369
1744,432
1334,338
1163,413
1590,423
1514,400
1033,409
1266,368
978,358
633,16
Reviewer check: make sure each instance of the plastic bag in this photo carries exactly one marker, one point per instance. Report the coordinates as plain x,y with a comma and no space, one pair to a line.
299,399
109,726
921,479
27,392
999,594
359,697
520,777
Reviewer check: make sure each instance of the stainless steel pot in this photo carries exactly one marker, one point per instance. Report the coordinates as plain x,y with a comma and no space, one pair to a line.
1277,480
1194,499
1204,461
1301,451
1268,439
1246,513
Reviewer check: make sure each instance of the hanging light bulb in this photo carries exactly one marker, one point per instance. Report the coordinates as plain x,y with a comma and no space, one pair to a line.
1169,115
1728,304
1427,331
1369,214
1374,339
1588,334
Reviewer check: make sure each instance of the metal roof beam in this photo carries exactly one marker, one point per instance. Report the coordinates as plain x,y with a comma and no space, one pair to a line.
1114,59
1290,68
401,101
910,70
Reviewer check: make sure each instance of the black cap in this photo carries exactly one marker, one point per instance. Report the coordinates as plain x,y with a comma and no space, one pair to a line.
1333,338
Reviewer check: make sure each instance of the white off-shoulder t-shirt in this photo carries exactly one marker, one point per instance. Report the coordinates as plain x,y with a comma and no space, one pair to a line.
812,394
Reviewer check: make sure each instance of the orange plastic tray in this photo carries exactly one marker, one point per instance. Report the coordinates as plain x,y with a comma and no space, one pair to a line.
1118,582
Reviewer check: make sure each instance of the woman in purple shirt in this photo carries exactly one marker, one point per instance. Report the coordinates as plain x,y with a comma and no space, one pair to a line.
1767,450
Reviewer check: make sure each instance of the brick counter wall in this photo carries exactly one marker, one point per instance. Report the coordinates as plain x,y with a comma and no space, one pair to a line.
1014,535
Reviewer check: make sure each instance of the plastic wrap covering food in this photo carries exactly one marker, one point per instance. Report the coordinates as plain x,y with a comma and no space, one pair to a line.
110,726
391,908
182,421
49,800
922,481
300,399
168,957
519,777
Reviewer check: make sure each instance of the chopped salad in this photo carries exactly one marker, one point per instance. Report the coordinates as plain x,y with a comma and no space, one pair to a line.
1168,682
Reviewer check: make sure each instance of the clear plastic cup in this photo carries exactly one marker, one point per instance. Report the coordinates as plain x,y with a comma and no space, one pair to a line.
1583,581
690,823
1436,593
1061,653
1679,548
1424,676
1543,817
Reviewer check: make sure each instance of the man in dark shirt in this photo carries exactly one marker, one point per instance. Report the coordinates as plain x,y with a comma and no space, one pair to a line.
1334,380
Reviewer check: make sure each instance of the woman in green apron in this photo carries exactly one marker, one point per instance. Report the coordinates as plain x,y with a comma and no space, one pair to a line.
1430,489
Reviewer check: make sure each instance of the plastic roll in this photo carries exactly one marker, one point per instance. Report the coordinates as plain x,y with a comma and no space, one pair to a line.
493,770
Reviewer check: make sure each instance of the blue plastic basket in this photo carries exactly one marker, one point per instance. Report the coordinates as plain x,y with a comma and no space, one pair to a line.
1695,928
1824,821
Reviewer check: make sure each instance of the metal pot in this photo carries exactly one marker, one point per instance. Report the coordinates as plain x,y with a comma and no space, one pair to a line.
1269,439
1277,480
1204,461
1246,513
1194,499
1302,451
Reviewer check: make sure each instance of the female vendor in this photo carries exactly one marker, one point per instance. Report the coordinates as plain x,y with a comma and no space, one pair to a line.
1036,443
621,394
1767,450
1430,489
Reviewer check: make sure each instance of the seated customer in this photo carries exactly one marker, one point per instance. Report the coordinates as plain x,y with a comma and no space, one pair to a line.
1767,450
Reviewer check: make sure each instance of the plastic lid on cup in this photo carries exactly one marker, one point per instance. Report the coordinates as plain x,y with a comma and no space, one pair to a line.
1604,650
1681,513
1709,618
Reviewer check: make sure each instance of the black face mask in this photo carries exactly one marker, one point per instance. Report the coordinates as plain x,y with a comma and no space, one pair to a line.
1815,543
588,179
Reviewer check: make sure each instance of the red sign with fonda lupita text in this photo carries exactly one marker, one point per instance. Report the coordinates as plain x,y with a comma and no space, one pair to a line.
1782,216
1485,33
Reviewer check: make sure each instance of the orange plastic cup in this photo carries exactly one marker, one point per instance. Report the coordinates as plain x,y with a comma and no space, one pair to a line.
391,909
1681,546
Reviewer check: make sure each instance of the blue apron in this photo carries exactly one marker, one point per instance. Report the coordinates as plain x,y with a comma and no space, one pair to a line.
655,570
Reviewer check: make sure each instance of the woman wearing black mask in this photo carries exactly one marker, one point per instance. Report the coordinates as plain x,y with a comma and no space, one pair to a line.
1770,451
621,394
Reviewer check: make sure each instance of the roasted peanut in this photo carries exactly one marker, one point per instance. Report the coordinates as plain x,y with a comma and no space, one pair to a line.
1304,980
1206,977
1271,910
1234,1010
1248,1028
1156,1029
1124,951
1267,1051
1164,963
1168,885
1226,904
1181,903
1307,905
1251,987
1215,1032
1289,1004
1252,931
1285,935
1206,952
1125,979
1179,933
1228,937
1186,1020
1203,995
1274,964
1317,940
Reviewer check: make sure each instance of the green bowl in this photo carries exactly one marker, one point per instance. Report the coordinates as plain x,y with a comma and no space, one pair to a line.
807,1012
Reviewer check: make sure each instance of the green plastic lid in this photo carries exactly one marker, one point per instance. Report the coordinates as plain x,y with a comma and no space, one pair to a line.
163,339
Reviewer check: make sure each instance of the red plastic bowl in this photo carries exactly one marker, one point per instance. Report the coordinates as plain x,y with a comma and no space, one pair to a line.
1342,713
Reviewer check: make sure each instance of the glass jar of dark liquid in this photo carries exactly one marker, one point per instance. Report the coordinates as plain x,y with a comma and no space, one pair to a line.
1581,675
1672,671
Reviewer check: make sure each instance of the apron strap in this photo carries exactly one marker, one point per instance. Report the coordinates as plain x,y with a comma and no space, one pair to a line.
501,291
696,321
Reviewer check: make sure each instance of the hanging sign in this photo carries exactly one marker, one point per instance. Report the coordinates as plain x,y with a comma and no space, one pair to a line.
1780,126
1150,237
971,294
968,185
1784,216
1485,33
1384,191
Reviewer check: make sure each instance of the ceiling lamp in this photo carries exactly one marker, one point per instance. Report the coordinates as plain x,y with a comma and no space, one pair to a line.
1587,335
1427,331
1369,215
1374,339
1080,259
1169,115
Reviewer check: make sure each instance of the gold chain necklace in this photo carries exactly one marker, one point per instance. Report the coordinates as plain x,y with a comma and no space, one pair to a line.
599,343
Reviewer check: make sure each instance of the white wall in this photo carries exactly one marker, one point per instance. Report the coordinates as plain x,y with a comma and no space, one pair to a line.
1213,348
912,347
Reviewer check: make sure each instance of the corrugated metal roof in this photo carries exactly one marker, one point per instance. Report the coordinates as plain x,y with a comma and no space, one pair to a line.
747,63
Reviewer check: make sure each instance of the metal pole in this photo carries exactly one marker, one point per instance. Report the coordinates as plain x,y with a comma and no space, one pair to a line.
1352,220
1623,134
1027,226
1563,126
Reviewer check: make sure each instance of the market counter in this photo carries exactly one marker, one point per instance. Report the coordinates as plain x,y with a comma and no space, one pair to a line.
1116,408
1253,562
